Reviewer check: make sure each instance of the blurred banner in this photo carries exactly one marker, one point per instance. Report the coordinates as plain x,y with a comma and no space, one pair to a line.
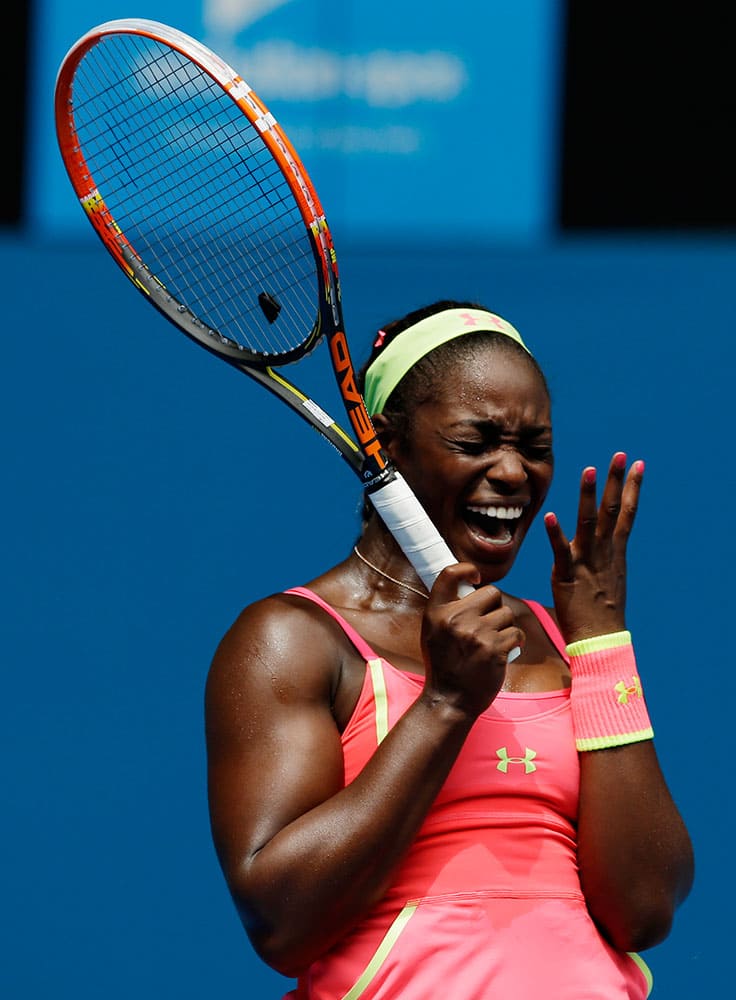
414,125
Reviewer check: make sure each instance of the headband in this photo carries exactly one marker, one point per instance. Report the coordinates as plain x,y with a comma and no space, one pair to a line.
413,343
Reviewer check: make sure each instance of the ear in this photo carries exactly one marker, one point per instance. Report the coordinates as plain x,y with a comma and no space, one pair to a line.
387,434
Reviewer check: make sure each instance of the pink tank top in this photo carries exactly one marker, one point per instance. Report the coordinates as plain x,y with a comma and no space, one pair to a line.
487,902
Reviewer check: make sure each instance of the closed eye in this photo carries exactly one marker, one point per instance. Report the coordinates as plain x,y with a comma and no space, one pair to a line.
539,452
470,447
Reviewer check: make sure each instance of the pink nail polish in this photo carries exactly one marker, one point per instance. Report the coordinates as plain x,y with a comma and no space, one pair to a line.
639,466
589,476
619,460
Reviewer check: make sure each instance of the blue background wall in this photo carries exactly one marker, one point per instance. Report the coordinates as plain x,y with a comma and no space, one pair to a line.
139,517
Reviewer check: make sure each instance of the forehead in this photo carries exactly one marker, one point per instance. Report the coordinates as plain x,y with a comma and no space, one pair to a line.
492,377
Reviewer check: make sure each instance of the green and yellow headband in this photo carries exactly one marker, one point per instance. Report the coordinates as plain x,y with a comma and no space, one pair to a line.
413,343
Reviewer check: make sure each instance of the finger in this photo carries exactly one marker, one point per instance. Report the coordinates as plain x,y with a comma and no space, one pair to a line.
496,614
629,504
611,499
511,642
563,568
587,522
453,581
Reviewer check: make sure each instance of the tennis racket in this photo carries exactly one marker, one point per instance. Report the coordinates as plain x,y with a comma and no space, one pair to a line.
200,198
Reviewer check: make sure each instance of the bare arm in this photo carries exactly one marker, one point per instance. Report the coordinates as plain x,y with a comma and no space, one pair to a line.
305,857
634,852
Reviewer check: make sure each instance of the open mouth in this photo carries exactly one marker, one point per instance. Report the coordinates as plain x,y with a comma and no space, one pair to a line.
493,524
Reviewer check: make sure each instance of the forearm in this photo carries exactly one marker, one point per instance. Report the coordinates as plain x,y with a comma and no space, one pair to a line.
634,853
320,873
635,856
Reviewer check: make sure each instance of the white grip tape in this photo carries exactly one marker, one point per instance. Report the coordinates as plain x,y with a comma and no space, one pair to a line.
420,541
407,521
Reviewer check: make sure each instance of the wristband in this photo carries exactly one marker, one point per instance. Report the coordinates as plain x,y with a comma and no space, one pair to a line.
607,701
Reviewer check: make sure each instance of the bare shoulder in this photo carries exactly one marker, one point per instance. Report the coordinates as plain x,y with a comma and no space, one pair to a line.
526,615
282,645
273,743
540,666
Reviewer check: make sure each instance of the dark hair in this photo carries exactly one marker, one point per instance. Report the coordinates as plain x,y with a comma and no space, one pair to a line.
417,386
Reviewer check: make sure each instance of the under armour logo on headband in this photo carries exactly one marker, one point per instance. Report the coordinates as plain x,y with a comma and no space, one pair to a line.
414,342
489,320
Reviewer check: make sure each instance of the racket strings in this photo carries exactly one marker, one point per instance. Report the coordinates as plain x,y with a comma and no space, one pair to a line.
192,185
200,211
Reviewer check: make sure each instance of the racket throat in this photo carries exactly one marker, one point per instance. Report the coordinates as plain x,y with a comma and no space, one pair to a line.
375,477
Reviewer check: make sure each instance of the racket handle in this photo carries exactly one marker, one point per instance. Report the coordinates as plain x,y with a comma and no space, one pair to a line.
408,522
420,541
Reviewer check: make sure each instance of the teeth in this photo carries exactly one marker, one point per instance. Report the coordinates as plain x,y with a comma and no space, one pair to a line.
502,513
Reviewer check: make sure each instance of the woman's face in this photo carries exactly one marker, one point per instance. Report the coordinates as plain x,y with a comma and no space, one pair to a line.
480,458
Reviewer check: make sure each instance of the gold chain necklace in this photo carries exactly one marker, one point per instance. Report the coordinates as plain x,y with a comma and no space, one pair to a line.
399,583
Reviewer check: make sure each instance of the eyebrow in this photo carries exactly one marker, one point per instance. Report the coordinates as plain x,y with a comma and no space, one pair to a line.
488,423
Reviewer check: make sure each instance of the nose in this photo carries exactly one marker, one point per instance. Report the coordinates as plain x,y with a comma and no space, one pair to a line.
507,471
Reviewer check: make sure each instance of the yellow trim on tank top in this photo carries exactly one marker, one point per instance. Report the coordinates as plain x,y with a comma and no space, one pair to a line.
381,953
644,968
380,698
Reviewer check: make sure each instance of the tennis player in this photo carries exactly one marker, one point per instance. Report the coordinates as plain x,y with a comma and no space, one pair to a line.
399,812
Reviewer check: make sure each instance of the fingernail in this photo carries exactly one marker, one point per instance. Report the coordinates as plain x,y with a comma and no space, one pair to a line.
550,519
619,460
639,466
589,476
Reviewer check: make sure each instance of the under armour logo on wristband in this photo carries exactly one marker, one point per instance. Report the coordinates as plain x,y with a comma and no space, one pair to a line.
633,690
504,760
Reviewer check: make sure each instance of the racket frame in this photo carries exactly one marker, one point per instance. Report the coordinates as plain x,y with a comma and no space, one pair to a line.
389,492
366,457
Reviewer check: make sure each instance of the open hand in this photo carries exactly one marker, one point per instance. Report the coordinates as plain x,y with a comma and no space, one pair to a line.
589,573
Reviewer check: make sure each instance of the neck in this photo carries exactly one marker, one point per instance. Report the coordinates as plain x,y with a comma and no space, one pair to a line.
382,558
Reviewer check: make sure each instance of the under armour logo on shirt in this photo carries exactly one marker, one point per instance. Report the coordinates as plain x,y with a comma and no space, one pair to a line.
504,760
